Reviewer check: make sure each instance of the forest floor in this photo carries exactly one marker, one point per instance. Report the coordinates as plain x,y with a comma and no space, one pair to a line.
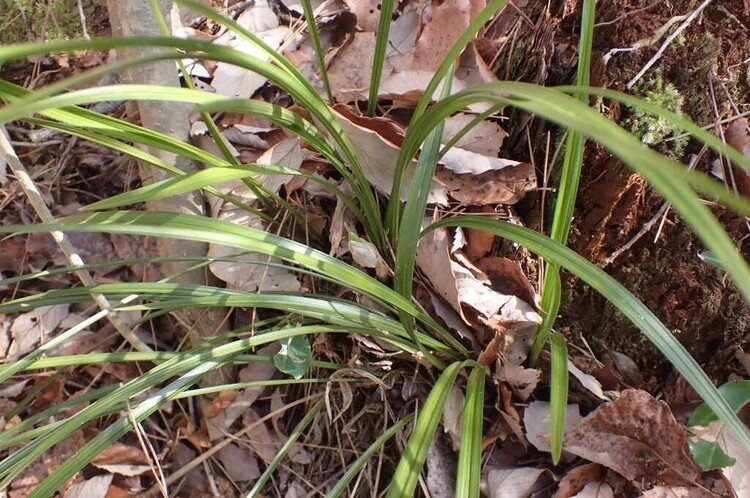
620,223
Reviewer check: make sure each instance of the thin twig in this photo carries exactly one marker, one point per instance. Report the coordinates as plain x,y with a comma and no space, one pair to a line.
74,259
668,42
81,14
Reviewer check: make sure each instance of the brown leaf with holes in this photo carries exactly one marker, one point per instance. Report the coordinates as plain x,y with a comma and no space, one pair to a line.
638,437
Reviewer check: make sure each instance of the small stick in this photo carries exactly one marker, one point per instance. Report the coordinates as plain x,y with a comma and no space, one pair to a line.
667,42
37,202
79,3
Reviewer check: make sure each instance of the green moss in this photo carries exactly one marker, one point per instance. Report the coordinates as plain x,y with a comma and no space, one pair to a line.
652,130
25,20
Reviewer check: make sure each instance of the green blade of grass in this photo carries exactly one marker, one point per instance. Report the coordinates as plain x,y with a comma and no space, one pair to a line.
312,27
381,44
393,212
469,473
355,468
296,433
188,227
558,394
623,300
406,475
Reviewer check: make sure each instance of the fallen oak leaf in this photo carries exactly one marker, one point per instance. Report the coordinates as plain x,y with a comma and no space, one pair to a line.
638,437
677,492
517,482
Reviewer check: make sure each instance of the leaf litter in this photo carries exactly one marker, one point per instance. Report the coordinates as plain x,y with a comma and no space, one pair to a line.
469,278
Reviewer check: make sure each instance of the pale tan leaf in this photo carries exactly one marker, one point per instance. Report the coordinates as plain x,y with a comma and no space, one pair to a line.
449,20
378,157
34,327
351,69
587,381
486,138
125,469
517,482
636,436
678,492
453,414
596,490
96,487
536,421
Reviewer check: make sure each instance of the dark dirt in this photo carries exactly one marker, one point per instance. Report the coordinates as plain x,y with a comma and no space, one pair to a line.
709,67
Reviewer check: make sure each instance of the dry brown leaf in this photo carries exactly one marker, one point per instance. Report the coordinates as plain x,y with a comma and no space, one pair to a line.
522,381
402,39
518,482
367,12
578,478
349,73
265,443
484,180
507,277
738,136
378,156
219,424
452,415
96,487
536,420
33,328
239,463
638,437
678,492
449,20
587,381
122,459
486,138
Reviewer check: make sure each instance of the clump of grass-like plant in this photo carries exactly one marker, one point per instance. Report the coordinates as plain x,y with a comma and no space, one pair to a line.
397,320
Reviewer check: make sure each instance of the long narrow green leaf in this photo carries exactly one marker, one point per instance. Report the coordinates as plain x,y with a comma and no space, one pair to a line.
410,464
312,27
381,44
296,433
623,300
354,469
188,227
558,394
665,175
393,214
469,473
567,191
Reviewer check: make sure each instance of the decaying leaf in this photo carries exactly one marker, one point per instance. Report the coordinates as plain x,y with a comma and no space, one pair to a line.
596,490
449,20
638,437
239,463
738,475
219,423
441,469
378,156
486,138
122,459
578,478
587,381
517,482
349,75
536,421
507,277
678,492
96,487
452,415
738,136
34,327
